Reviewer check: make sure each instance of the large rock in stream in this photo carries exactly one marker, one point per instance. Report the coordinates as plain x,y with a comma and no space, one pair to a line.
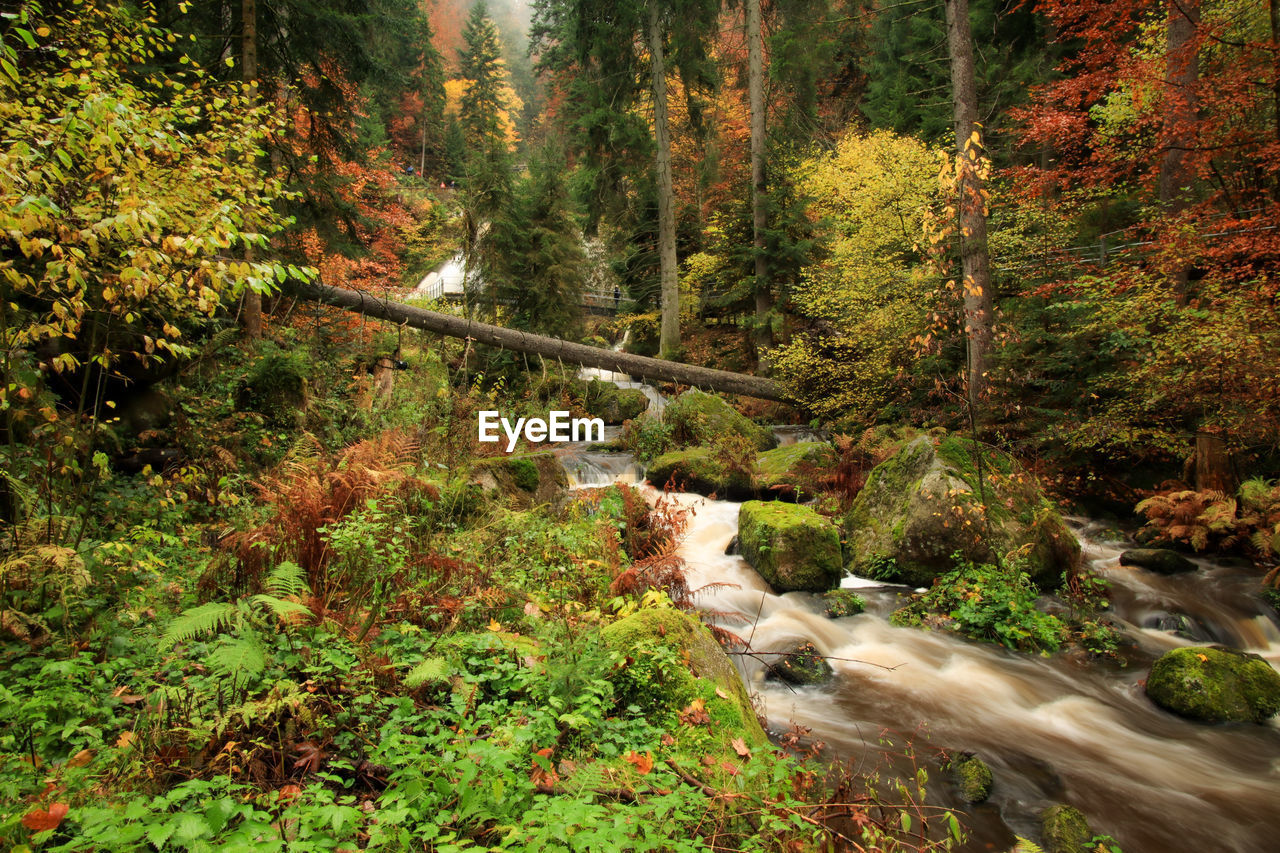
703,670
925,503
698,418
791,546
1215,684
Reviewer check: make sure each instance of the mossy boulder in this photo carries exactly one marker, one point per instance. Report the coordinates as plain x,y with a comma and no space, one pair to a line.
791,546
801,665
699,418
1214,684
1065,829
697,469
793,468
972,777
1159,560
925,503
526,479
709,674
612,404
842,602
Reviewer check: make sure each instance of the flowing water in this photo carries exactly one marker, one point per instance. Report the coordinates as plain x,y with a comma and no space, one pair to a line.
1053,729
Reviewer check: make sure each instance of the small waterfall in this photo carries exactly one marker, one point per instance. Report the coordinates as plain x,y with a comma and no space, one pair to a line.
657,402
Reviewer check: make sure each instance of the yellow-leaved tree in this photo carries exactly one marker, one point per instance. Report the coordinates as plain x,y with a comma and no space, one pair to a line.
866,300
127,198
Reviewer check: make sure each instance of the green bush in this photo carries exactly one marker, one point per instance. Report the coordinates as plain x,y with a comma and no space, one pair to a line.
988,603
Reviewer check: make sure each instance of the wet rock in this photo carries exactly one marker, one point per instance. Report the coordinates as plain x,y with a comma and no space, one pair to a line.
802,665
923,505
842,602
1065,829
794,470
612,404
1182,626
698,470
698,418
527,479
792,547
972,776
1160,560
725,697
1215,684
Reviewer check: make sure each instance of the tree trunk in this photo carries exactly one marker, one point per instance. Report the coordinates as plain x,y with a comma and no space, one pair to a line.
251,315
552,348
1181,104
759,203
975,264
1213,469
669,337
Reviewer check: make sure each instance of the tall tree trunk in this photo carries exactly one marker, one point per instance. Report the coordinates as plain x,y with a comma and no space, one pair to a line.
759,202
975,263
251,315
669,337
1182,72
1275,65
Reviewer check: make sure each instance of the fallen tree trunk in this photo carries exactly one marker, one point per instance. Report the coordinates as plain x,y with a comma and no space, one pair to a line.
513,339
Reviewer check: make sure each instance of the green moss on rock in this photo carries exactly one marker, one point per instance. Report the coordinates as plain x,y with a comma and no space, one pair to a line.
1213,684
1065,829
791,546
843,602
925,503
612,404
794,467
646,631
697,470
801,666
972,777
698,418
527,479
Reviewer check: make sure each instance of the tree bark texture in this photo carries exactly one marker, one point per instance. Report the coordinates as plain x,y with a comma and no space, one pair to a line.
553,348
669,335
251,316
979,305
759,202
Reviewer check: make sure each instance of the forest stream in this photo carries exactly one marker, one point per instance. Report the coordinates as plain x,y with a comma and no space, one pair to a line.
1058,728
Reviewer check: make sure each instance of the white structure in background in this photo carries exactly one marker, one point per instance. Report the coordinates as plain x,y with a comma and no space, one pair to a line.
447,282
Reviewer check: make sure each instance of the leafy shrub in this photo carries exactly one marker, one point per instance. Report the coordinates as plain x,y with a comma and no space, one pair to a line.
647,438
986,603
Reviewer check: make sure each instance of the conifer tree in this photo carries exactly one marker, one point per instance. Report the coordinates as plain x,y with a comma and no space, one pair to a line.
533,257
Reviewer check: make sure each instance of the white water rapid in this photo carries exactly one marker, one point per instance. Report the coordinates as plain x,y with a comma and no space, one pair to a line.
1053,729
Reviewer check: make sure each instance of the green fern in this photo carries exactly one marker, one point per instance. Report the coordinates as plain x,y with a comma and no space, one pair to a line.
285,579
238,658
1025,846
206,618
430,671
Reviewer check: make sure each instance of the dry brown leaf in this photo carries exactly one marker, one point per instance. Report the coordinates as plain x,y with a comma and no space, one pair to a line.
125,739
642,763
740,747
81,758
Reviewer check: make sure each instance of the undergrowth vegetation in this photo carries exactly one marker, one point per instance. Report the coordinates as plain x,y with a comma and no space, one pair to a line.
322,630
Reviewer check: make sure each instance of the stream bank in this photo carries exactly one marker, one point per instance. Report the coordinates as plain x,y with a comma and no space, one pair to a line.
1054,729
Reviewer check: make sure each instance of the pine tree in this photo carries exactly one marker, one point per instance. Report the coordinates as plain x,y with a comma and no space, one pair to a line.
482,67
533,257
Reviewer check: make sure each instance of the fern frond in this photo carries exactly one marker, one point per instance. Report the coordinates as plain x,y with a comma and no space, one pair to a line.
285,579
237,657
281,608
24,496
1025,846
430,671
198,620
